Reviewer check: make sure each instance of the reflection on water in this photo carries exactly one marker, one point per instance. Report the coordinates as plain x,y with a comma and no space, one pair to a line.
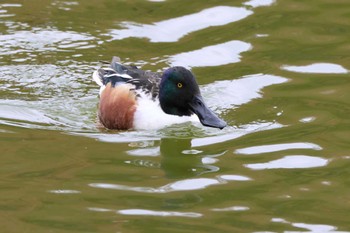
177,164
62,191
234,133
238,92
307,119
64,5
290,162
318,68
6,5
214,55
232,208
172,30
308,227
153,151
3,9
259,3
159,213
149,212
277,147
181,185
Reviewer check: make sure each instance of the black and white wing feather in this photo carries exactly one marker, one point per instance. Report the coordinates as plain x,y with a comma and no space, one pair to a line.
117,73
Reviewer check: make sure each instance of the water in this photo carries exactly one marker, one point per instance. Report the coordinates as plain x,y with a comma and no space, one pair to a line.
276,71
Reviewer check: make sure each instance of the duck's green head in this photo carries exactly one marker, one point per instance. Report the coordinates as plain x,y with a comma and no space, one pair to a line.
179,94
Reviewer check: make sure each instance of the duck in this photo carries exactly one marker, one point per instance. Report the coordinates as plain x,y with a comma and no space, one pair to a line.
132,98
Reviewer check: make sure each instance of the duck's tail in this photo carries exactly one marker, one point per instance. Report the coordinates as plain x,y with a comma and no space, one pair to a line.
113,73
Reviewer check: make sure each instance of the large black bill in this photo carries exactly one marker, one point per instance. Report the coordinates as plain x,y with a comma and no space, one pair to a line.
206,116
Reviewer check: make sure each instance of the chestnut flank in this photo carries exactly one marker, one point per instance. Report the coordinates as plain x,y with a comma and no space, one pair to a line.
117,107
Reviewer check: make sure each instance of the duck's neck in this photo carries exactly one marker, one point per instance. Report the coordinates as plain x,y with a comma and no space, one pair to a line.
170,108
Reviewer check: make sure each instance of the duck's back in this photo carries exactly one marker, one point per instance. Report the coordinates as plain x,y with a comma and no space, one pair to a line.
117,74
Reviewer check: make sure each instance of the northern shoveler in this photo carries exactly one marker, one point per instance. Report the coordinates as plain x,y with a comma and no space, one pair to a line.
131,98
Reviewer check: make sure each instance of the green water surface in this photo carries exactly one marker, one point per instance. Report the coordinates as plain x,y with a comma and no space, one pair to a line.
276,71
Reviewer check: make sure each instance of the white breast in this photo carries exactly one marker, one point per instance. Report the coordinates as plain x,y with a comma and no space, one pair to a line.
149,115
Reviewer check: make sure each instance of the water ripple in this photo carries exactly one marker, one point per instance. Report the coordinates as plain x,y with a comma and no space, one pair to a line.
291,162
309,227
232,208
233,133
172,30
64,191
149,212
3,12
10,5
239,91
259,3
58,96
277,147
317,68
22,113
181,185
43,40
159,213
154,151
64,5
214,55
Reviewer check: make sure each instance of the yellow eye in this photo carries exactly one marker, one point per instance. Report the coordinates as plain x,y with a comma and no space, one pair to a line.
179,85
